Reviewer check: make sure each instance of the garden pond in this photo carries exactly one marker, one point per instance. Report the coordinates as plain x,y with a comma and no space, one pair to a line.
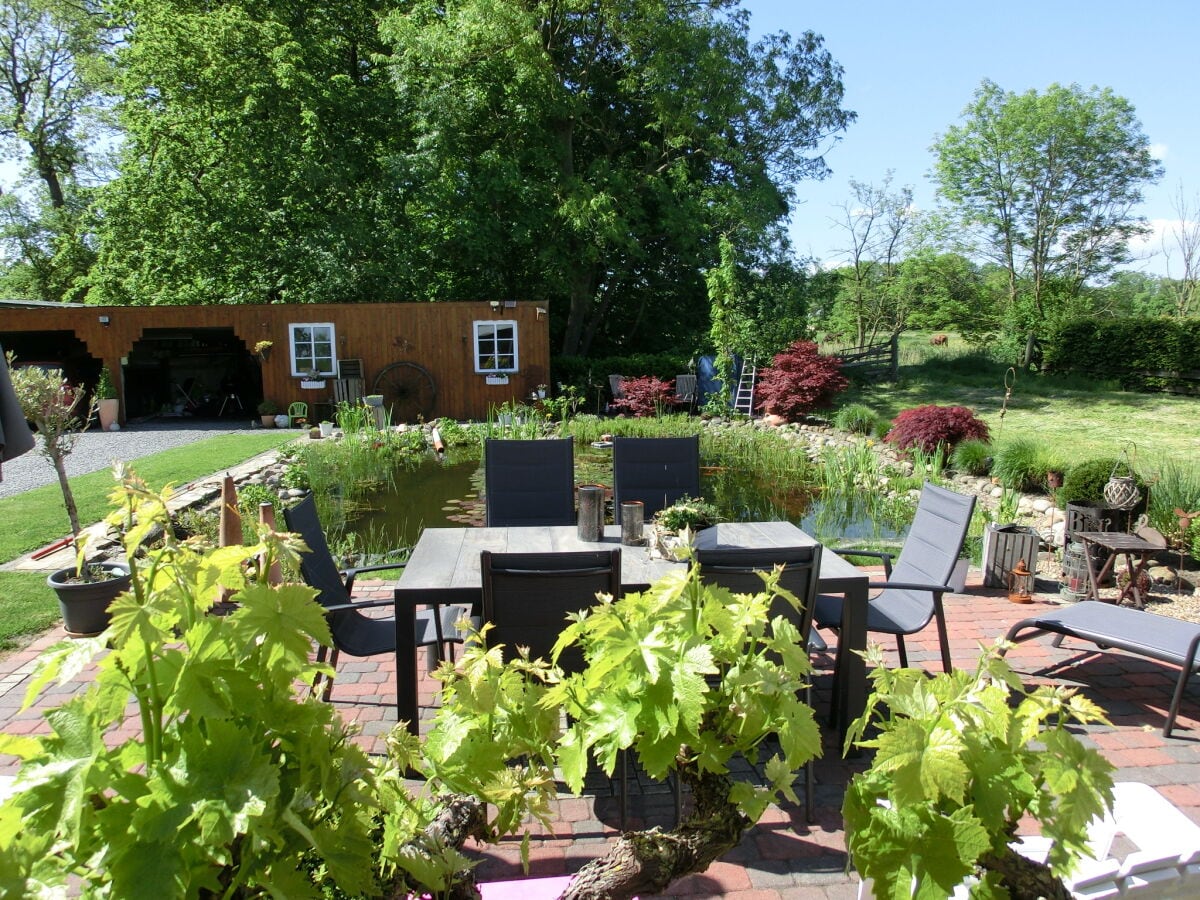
447,490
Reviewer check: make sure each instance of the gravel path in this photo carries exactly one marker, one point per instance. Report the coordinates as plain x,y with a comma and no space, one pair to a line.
97,449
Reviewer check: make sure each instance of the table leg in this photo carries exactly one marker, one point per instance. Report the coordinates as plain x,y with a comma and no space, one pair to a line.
851,672
406,660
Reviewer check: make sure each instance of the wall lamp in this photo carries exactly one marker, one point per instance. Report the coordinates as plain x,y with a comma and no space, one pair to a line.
104,321
495,305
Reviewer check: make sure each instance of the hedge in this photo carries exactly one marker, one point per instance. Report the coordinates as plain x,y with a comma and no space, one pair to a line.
1148,354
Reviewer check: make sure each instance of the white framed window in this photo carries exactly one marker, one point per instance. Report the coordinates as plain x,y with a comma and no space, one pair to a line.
313,349
496,347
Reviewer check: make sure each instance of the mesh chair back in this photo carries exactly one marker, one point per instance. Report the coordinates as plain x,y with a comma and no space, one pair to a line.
527,596
657,471
529,482
739,569
352,632
932,546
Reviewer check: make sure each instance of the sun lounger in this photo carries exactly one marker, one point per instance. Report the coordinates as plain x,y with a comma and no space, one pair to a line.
1132,630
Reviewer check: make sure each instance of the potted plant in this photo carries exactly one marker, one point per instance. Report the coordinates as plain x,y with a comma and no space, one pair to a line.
52,404
672,527
268,409
960,759
108,405
326,428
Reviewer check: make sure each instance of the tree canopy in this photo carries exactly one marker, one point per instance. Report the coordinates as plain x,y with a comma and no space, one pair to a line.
1048,181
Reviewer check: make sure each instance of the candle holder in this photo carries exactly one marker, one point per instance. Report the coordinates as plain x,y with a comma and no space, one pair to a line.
590,522
632,523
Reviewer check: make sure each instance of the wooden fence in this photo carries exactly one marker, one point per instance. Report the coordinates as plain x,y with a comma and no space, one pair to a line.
875,362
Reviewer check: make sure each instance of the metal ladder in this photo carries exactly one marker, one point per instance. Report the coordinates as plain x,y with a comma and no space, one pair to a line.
743,400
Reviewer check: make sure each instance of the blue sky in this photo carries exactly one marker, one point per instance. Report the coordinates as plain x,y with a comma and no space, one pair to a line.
910,69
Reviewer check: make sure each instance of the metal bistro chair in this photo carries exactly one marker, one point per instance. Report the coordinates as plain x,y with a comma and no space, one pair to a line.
912,591
740,571
657,471
353,632
685,393
529,482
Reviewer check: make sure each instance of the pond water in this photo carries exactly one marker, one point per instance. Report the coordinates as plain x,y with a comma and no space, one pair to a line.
448,491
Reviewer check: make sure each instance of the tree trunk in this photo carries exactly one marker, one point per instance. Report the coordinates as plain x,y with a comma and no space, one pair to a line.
648,862
1024,878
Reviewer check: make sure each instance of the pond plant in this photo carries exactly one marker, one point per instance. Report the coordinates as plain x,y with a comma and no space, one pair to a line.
241,784
959,759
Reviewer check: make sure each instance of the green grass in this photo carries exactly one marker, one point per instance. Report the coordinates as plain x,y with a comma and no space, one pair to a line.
1083,417
27,606
36,518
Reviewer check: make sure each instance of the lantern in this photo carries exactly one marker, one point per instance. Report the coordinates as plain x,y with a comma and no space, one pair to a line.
1075,573
1020,583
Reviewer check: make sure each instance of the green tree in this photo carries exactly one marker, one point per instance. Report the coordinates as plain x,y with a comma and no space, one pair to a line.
54,102
1048,183
944,291
587,154
255,166
877,222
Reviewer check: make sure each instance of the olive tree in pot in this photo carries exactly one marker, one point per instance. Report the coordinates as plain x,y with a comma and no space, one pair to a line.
53,405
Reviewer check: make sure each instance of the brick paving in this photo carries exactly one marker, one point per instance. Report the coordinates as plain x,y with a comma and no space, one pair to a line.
782,857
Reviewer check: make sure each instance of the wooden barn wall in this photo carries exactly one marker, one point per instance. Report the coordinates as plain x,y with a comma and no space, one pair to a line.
438,336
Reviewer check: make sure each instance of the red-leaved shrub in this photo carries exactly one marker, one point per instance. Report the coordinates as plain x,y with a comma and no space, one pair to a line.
800,380
928,426
645,396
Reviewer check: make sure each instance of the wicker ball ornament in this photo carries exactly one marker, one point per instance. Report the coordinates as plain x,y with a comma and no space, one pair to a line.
1122,492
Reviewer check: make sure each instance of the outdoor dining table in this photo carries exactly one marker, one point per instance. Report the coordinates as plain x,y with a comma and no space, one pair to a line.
444,568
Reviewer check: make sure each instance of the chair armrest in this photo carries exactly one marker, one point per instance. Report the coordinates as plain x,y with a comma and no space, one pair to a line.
348,575
877,554
911,586
358,604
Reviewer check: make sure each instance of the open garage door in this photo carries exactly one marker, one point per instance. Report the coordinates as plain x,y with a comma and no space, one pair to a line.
202,372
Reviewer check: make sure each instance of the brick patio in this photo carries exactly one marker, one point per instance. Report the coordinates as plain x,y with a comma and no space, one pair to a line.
782,857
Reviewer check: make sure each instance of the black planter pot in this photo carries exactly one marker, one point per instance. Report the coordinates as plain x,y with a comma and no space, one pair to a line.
84,605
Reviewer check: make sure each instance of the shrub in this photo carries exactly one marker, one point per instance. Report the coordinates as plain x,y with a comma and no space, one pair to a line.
1019,465
646,396
972,457
857,419
1084,483
800,380
928,426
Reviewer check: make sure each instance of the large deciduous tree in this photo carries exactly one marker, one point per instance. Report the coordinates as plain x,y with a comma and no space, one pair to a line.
254,165
1049,182
54,80
587,153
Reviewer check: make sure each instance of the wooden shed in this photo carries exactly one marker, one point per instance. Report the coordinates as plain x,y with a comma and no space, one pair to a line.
426,359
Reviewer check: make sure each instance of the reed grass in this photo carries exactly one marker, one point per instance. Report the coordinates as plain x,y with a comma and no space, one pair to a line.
1173,485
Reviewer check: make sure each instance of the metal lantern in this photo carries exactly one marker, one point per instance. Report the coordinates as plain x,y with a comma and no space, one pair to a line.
1075,573
1020,583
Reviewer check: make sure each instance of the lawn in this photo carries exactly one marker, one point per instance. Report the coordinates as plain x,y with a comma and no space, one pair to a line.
1079,417
36,518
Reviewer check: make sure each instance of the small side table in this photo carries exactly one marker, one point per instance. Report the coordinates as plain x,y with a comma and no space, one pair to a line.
1118,544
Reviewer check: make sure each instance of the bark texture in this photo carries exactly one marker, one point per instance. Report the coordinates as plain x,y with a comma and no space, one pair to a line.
647,862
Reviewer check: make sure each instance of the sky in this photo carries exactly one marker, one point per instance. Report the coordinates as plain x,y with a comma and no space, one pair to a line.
911,68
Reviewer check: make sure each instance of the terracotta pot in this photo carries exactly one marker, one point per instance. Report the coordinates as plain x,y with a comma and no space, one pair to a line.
109,410
268,421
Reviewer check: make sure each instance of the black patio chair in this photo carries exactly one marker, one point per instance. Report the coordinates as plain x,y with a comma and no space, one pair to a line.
355,633
657,471
912,591
527,596
529,482
740,570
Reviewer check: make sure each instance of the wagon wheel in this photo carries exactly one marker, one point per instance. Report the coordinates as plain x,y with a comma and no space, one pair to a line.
408,391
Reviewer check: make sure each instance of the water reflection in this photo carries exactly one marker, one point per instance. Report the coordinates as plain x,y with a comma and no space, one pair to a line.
448,492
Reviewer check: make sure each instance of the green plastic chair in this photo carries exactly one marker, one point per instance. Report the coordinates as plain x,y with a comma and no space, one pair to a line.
298,414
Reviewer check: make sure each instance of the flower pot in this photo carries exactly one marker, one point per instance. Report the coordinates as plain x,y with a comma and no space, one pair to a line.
84,605
109,409
326,429
268,420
